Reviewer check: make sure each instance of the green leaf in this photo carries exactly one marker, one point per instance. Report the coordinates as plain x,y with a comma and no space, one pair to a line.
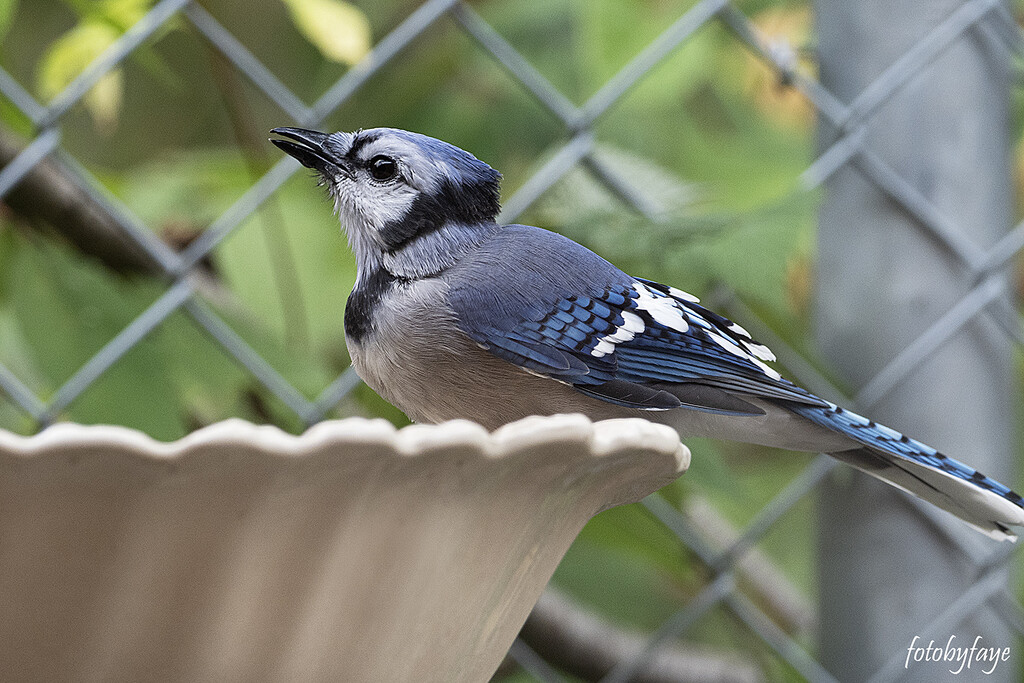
69,55
124,13
339,30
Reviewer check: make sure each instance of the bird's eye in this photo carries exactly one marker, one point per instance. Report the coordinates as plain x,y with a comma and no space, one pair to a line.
383,168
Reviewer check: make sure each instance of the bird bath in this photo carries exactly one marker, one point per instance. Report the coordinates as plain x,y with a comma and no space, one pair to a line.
355,552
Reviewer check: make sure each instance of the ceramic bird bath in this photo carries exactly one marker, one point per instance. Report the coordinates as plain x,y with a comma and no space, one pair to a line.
355,552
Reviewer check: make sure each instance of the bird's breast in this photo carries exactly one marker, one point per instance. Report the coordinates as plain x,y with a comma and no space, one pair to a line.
411,351
404,343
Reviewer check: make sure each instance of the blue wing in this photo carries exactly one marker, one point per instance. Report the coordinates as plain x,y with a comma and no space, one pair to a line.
626,340
556,309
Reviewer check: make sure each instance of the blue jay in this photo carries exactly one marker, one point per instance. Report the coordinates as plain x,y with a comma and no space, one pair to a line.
455,316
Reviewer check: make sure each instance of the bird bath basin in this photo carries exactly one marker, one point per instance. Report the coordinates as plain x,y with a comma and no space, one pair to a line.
355,552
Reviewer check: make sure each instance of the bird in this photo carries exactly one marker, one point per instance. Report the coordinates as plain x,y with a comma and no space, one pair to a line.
453,315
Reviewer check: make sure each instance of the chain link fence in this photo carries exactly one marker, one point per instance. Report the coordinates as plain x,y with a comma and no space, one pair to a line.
849,147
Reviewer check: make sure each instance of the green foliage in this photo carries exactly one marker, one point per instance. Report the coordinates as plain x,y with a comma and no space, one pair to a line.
338,29
64,62
190,191
99,26
177,378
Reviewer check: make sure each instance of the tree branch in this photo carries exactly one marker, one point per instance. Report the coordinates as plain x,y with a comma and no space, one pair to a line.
49,194
587,646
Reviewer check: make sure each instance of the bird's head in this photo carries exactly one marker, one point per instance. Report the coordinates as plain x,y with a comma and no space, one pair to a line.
392,188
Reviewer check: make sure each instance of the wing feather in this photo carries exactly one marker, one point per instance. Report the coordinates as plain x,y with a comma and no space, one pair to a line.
616,343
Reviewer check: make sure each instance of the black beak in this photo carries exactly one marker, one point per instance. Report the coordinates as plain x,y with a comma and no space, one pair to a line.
308,148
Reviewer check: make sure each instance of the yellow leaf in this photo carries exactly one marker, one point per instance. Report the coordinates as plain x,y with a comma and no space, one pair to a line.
104,101
339,30
68,56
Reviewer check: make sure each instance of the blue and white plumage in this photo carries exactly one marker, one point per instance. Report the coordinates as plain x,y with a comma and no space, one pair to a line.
455,316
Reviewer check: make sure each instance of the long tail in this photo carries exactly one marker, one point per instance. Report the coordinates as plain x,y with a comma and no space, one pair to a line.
916,468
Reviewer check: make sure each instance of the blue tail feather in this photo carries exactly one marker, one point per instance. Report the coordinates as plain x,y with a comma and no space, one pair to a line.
881,438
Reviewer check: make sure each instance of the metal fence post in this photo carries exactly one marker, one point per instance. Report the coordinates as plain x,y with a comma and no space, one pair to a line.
886,570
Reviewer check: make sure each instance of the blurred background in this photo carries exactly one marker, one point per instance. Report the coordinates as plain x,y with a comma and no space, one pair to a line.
163,267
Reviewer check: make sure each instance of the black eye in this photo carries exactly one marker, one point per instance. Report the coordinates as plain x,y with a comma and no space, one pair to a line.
383,168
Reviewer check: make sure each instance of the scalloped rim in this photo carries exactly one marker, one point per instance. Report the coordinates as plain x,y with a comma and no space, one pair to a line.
605,438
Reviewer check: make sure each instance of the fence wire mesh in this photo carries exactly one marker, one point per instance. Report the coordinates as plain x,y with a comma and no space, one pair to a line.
181,268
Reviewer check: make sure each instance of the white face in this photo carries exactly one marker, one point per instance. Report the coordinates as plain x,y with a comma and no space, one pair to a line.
408,199
386,176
